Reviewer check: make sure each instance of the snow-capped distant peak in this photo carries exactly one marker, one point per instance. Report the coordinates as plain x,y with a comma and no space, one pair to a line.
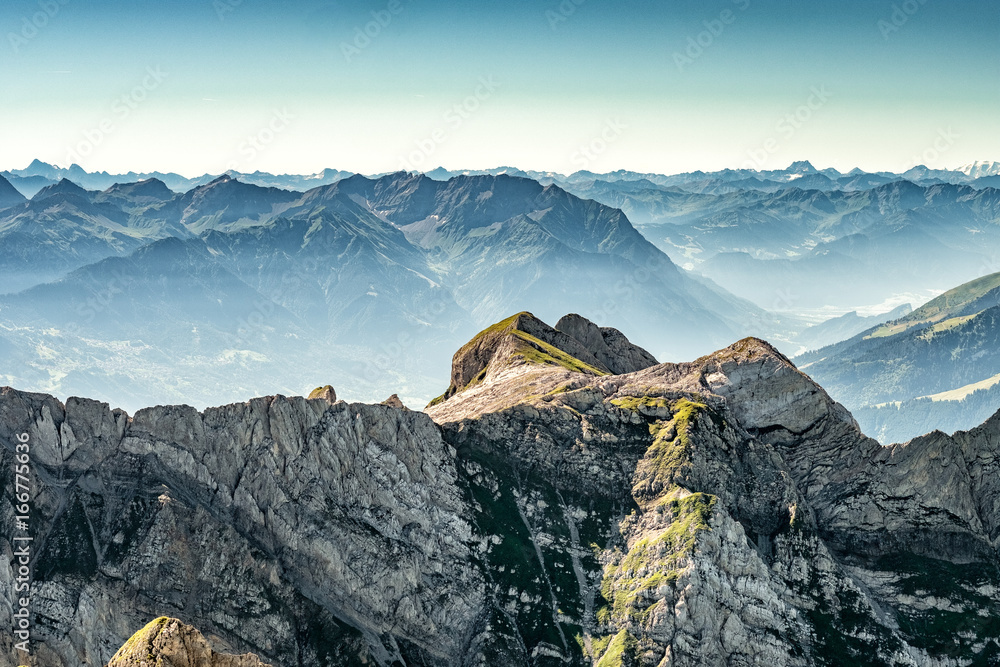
981,168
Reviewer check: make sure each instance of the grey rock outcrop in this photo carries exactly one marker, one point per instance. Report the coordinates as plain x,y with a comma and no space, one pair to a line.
270,523
167,642
326,393
608,345
394,402
724,511
504,345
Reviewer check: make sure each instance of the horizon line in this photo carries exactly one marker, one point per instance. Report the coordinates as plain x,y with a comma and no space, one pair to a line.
956,169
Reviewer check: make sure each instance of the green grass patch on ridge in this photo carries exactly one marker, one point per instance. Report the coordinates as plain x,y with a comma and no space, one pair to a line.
621,649
537,351
630,588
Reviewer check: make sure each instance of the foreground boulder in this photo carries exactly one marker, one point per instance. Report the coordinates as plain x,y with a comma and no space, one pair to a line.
167,642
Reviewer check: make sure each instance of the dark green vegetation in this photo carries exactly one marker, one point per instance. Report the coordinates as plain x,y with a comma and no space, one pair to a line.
838,630
619,652
898,422
531,575
965,300
69,547
954,633
520,496
630,587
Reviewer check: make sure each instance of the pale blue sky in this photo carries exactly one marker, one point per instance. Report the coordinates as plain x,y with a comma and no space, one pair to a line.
258,84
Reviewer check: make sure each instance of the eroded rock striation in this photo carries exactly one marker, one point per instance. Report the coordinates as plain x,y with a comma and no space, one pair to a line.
549,509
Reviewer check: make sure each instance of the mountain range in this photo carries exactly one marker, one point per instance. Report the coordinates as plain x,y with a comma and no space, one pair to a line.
785,239
567,500
135,294
38,174
795,248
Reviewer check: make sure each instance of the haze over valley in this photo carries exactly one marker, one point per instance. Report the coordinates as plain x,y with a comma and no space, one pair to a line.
138,295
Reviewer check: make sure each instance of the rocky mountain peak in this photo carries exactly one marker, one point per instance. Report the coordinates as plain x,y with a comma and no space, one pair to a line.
168,642
9,195
607,344
758,383
767,390
723,511
153,188
521,339
325,393
801,167
63,187
395,402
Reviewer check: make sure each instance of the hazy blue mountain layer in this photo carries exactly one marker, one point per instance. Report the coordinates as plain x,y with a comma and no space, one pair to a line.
946,354
138,295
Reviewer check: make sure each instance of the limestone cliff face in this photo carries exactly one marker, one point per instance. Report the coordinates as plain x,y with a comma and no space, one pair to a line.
548,510
304,531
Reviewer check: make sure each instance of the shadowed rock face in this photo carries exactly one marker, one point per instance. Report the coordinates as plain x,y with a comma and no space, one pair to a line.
286,526
167,642
723,511
608,345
